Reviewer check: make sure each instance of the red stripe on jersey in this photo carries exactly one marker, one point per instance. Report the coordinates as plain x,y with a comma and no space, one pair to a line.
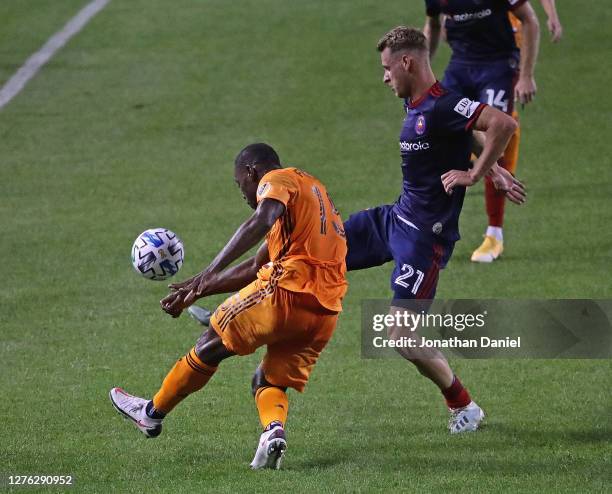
423,293
436,90
432,275
439,253
475,116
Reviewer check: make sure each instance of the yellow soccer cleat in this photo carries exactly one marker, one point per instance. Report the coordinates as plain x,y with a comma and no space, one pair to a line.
489,250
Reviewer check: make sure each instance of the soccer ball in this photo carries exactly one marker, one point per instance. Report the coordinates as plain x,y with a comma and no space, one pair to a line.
157,254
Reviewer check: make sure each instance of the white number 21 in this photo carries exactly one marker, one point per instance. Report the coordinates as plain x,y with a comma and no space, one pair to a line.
408,271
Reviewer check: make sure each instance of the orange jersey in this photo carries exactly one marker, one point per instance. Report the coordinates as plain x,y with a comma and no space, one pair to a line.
307,245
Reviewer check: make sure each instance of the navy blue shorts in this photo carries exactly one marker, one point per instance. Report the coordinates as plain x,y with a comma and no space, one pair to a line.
378,235
491,82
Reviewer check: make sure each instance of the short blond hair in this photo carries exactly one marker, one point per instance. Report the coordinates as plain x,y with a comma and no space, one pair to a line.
403,38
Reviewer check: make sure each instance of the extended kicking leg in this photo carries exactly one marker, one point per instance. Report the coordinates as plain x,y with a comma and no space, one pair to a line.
189,374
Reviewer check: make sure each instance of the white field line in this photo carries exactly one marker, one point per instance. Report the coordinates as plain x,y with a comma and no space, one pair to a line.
33,64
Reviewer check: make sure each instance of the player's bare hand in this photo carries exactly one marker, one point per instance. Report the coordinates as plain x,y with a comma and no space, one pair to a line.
555,29
456,178
525,90
185,284
197,291
512,187
174,303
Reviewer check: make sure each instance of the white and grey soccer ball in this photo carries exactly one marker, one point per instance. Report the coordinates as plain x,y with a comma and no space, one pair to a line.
157,254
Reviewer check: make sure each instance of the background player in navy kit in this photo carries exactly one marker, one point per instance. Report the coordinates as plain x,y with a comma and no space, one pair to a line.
419,230
485,66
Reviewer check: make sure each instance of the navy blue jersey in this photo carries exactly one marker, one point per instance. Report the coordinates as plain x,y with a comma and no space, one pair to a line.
436,137
478,30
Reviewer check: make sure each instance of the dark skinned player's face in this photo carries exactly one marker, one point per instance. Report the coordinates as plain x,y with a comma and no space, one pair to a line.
247,179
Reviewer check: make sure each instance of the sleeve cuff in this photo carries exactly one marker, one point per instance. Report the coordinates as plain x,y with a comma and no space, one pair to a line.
475,116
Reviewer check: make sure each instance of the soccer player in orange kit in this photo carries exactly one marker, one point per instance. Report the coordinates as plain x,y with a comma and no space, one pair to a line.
289,298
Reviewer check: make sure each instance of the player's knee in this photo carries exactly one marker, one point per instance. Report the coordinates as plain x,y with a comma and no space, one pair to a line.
210,348
259,381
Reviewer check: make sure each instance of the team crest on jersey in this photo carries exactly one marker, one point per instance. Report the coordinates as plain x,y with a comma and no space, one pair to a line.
263,188
419,126
437,228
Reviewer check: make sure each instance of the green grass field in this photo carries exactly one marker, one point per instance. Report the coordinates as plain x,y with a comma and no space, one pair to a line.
135,124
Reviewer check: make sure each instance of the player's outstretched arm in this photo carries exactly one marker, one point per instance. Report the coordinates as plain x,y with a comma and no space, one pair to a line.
229,280
236,277
247,236
525,88
498,128
432,31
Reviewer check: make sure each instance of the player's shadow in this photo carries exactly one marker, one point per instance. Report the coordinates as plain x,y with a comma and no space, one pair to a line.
535,437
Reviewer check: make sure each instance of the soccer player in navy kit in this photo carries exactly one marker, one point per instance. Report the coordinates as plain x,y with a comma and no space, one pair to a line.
487,65
419,230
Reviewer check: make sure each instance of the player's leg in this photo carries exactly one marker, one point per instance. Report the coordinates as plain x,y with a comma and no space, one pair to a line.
190,374
366,238
497,89
304,328
258,316
418,261
273,406
272,402
466,415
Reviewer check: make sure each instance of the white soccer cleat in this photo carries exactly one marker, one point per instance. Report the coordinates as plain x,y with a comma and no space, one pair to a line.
271,448
466,419
133,408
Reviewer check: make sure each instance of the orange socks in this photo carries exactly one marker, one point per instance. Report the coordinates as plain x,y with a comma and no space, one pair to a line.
272,405
187,376
190,374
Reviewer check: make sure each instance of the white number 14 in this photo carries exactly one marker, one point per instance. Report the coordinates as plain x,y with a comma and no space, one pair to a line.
497,100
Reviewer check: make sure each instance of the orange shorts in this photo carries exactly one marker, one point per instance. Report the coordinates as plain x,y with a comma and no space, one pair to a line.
294,326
